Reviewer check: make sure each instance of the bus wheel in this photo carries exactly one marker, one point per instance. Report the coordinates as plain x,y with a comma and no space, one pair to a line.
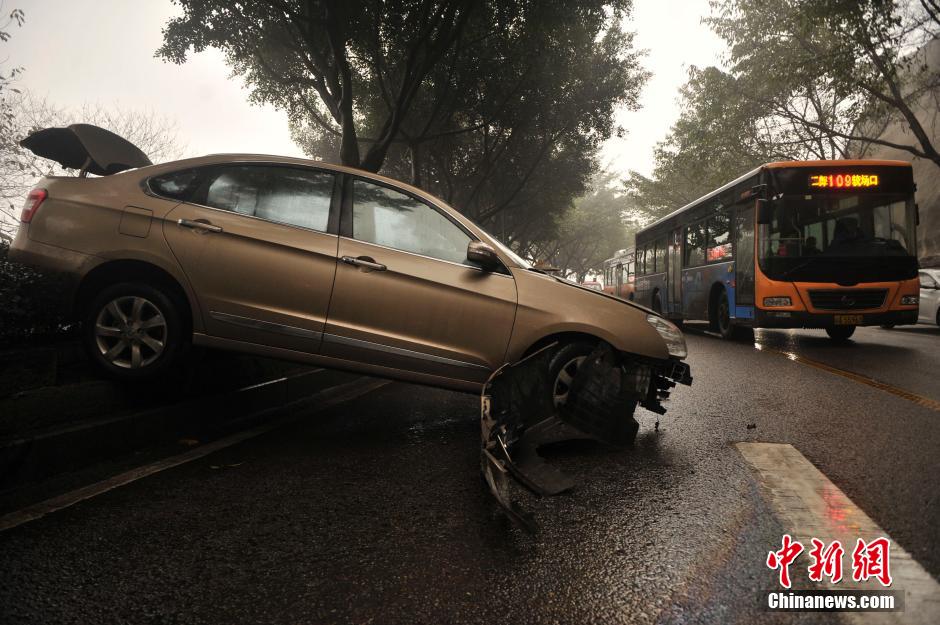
725,327
840,333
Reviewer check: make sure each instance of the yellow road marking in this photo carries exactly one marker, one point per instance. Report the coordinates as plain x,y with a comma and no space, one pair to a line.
920,400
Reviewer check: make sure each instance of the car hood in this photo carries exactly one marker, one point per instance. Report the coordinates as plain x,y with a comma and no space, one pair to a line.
88,147
608,296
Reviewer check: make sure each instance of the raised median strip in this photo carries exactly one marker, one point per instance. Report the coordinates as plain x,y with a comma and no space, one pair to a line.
321,400
35,455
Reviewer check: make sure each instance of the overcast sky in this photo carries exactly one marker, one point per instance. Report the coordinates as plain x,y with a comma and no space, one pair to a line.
101,51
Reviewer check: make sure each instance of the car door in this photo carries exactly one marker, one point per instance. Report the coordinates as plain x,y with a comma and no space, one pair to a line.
255,242
405,294
929,296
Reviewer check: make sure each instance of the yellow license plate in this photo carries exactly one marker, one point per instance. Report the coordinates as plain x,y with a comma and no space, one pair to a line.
848,320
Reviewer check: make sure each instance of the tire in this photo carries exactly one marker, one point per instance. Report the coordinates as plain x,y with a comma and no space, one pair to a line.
564,366
133,331
887,326
723,317
840,334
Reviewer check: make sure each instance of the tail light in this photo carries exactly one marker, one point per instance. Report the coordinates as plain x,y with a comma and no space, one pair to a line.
33,200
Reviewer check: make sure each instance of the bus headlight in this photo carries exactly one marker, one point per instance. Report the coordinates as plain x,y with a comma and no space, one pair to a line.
910,300
672,335
770,302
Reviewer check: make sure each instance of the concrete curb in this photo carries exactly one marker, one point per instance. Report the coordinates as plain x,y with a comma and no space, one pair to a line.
67,448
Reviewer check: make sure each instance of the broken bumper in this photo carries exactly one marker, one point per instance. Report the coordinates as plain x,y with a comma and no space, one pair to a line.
518,415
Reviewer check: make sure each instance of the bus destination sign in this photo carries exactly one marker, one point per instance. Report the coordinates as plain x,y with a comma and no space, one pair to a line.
843,181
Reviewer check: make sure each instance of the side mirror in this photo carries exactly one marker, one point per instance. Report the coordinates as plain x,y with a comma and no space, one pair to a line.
765,212
483,255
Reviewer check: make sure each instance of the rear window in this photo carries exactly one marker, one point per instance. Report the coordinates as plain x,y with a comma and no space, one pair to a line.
177,185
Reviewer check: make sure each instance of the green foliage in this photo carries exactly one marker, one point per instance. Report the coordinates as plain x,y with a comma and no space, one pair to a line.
833,73
31,303
498,107
590,231
807,79
716,139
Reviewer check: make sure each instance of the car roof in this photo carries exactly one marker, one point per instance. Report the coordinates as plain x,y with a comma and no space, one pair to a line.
234,158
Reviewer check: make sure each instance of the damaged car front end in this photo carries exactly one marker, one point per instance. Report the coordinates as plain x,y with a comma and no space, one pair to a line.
518,415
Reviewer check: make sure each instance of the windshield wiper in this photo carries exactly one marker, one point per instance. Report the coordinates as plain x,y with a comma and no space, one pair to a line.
800,266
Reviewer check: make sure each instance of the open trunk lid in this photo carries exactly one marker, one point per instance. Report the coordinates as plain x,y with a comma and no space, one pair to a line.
87,148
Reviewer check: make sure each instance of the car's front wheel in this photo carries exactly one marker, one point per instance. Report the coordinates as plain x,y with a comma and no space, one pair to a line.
564,366
133,330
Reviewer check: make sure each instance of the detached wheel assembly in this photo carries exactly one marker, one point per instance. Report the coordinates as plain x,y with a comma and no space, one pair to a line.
564,366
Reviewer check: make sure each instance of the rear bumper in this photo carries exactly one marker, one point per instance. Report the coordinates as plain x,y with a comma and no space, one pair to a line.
802,319
64,268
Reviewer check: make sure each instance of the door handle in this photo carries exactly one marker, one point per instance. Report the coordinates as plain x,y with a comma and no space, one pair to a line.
365,262
199,224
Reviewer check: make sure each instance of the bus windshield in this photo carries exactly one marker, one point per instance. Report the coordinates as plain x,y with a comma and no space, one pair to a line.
854,232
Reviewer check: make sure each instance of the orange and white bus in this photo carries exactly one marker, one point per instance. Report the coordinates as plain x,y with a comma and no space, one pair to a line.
804,244
619,273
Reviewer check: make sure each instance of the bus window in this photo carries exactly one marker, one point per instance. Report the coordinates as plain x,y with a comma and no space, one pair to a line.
744,255
719,238
660,255
813,238
694,245
889,223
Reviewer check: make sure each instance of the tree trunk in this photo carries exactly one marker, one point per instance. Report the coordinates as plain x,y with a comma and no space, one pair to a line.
416,164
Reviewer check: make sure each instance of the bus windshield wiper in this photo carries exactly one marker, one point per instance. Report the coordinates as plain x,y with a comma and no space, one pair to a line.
786,273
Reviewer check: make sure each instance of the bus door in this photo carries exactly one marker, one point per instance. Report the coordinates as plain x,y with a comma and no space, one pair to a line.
674,273
618,280
744,262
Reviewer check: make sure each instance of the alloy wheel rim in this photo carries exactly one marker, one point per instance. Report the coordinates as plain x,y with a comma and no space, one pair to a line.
130,332
564,378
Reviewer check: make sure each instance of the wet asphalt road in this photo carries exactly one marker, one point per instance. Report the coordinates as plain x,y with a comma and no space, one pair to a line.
374,512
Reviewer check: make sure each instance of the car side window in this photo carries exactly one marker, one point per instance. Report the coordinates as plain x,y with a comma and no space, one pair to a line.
288,195
387,217
176,185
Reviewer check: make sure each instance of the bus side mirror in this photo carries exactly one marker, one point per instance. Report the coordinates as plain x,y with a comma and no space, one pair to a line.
765,213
